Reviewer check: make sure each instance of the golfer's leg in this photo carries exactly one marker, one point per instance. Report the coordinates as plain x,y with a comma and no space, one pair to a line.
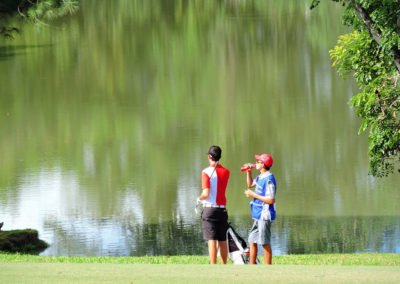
212,251
253,253
223,251
267,254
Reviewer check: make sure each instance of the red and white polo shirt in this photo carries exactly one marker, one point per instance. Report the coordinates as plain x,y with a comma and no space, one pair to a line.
217,184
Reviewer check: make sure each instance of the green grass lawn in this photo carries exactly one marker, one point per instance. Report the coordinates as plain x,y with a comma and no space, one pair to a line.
377,259
365,268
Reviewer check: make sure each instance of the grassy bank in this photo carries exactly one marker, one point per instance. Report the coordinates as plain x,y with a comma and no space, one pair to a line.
366,259
364,268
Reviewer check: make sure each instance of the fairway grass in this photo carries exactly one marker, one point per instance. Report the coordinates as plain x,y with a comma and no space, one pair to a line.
337,268
193,273
367,259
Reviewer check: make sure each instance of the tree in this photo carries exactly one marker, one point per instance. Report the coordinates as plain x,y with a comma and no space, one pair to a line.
36,11
371,52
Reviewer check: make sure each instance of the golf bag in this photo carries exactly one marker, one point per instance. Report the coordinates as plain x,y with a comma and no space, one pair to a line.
238,251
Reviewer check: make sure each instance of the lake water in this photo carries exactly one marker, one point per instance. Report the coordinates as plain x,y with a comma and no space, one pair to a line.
106,117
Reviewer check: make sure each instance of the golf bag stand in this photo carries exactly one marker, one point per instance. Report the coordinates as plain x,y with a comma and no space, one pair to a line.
238,250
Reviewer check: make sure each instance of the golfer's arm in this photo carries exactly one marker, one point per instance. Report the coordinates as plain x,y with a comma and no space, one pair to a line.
204,193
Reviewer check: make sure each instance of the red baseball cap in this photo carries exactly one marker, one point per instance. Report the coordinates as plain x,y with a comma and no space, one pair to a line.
266,159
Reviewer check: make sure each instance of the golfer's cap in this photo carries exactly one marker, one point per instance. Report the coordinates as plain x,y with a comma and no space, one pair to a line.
266,159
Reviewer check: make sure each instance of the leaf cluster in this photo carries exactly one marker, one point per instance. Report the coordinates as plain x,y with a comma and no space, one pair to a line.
38,11
315,3
51,9
8,32
371,60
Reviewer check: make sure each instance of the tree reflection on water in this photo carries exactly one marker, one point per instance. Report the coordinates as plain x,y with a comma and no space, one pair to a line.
290,235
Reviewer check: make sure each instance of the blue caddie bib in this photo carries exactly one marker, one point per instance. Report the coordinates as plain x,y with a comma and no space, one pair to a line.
257,205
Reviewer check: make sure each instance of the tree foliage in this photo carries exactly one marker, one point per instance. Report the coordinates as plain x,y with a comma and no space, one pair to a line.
371,53
36,11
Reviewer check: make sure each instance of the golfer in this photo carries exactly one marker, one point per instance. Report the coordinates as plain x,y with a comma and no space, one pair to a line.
214,216
262,207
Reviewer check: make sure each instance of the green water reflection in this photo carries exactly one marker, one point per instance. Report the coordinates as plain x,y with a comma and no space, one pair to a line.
106,116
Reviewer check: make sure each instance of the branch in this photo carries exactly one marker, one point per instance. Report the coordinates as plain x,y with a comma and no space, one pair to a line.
398,25
363,15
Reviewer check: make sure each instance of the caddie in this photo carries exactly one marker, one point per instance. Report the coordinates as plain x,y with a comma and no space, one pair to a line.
262,207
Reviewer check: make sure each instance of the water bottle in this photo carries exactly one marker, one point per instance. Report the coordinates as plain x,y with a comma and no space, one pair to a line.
247,167
246,256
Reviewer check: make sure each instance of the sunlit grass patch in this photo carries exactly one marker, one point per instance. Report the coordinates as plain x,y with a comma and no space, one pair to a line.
390,259
386,259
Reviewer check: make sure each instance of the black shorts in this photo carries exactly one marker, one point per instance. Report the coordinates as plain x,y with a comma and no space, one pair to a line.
215,223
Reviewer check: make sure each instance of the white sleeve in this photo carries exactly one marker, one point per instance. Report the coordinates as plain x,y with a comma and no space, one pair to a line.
270,191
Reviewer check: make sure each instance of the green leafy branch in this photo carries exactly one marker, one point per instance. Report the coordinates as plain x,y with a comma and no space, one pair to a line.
371,54
51,9
36,11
